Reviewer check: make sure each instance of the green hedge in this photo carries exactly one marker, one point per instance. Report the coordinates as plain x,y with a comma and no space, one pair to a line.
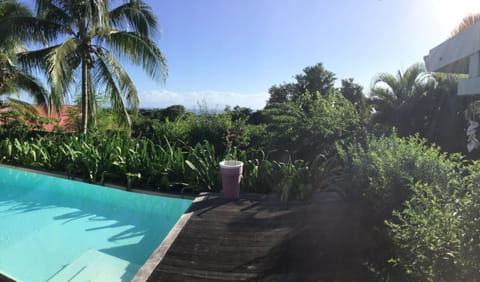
141,163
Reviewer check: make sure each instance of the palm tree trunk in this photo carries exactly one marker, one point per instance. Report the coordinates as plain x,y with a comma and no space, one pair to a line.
85,40
84,95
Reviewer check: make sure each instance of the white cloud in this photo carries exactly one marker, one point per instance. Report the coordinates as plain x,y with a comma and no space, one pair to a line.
213,100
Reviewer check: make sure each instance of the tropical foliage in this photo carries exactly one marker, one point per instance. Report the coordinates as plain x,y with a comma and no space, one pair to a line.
394,96
416,102
140,163
12,78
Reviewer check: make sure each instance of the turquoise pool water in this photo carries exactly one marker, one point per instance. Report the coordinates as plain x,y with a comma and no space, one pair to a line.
54,229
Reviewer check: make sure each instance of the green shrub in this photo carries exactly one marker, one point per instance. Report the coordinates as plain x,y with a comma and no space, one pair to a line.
310,125
421,206
257,172
383,169
427,235
210,127
437,236
175,131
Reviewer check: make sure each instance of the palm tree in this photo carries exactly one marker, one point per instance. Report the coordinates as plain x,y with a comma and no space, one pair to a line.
394,97
87,37
12,79
446,121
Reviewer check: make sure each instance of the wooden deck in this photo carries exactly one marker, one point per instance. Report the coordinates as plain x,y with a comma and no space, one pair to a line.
5,279
263,240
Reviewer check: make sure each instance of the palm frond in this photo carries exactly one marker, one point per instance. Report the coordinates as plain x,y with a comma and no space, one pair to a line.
105,75
13,8
12,47
32,61
32,86
23,108
48,10
388,80
383,94
30,29
124,81
140,51
413,78
9,10
96,11
135,16
8,87
61,63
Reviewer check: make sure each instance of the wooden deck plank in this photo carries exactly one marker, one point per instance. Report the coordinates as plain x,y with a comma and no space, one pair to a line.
263,240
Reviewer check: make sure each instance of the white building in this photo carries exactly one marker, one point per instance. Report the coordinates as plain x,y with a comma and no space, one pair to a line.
459,54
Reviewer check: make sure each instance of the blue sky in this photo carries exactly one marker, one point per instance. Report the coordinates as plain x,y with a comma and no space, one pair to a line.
223,52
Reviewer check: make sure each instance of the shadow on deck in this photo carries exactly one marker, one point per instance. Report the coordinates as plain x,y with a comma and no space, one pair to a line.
256,239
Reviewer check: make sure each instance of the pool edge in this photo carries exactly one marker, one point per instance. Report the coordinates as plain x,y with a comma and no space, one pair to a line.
105,185
5,278
157,256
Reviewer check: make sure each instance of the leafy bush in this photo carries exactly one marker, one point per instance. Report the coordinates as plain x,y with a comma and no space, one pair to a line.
311,124
175,131
437,236
290,179
211,127
382,169
204,166
426,235
423,207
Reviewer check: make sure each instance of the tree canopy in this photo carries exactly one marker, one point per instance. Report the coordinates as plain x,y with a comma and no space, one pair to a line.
314,78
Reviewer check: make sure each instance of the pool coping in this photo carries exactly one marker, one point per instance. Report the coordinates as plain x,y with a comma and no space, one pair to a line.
107,185
157,256
6,278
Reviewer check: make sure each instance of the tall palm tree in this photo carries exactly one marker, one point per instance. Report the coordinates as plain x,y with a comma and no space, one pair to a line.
394,96
88,36
12,79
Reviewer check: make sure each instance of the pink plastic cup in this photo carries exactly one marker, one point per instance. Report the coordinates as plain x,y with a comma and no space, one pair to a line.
231,172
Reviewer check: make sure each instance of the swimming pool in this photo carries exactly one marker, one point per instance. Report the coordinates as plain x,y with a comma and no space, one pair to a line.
54,229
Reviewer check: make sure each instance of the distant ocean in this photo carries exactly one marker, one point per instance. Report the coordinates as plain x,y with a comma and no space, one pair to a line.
199,111
192,110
